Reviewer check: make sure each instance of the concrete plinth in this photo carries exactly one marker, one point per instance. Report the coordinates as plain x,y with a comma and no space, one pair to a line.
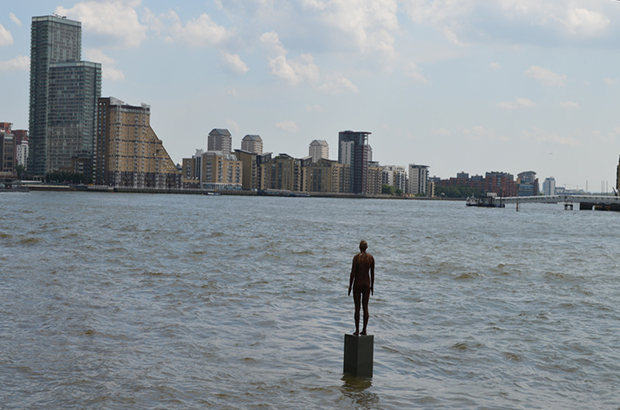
358,355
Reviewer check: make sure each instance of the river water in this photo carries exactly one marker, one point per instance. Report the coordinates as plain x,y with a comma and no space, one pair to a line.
131,301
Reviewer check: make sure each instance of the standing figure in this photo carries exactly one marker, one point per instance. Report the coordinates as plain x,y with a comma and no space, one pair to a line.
362,284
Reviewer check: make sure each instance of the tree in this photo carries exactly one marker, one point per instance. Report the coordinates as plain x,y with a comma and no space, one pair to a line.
388,189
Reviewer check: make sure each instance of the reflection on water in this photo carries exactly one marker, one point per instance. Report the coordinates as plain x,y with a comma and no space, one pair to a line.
356,389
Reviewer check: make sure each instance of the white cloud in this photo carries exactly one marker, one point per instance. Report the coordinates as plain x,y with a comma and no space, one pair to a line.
287,126
6,39
495,66
440,131
14,19
116,21
411,71
542,136
314,108
368,23
293,71
233,125
545,76
610,81
568,105
233,92
109,71
517,103
233,63
338,84
585,22
199,32
19,63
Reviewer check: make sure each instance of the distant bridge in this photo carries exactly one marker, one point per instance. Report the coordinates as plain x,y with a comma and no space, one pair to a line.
586,202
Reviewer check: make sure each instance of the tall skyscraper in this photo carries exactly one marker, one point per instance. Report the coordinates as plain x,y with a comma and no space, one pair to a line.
219,140
63,96
127,150
252,143
319,149
353,150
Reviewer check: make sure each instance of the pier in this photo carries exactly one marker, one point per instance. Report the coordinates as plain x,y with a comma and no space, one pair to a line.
586,202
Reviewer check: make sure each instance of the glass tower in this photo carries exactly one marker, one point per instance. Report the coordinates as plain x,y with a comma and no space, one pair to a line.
63,96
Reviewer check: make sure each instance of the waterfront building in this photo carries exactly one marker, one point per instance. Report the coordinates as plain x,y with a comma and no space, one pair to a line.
63,96
280,173
219,139
549,186
418,176
249,164
221,171
326,176
128,153
500,183
190,171
252,143
21,147
396,176
527,184
7,151
319,149
375,178
353,150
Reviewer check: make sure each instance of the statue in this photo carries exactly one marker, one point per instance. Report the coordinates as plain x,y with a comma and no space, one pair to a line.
362,284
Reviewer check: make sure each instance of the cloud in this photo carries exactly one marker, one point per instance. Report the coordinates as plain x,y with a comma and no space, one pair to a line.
233,63
14,19
541,136
233,125
517,103
610,81
314,108
293,71
495,66
287,126
370,23
116,22
440,131
585,22
568,105
109,72
411,71
6,39
546,77
199,32
338,84
19,63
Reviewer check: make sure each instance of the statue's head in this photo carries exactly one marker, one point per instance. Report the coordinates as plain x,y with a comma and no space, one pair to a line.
363,246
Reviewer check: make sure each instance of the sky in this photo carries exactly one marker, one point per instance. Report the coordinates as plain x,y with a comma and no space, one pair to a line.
458,85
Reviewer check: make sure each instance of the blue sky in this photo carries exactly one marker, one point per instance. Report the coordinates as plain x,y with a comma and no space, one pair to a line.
467,85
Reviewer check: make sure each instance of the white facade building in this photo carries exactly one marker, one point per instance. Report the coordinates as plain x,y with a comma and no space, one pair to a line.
418,178
549,186
319,149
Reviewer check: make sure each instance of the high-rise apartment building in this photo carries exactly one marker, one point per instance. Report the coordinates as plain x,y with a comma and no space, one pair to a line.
7,150
128,153
219,139
353,150
319,149
63,96
549,186
418,177
252,143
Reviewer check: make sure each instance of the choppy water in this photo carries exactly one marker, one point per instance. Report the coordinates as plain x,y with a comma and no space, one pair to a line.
117,301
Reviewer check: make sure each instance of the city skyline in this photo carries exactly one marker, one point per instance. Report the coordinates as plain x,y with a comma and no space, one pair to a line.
474,87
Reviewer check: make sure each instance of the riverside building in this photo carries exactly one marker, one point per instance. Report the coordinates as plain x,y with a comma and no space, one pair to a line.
128,153
353,150
252,143
319,149
219,139
63,96
418,177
